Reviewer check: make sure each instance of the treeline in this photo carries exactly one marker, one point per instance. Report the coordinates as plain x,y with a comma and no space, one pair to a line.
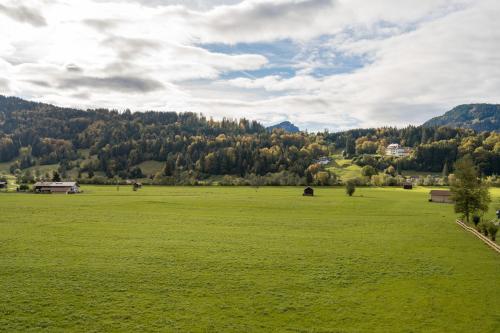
191,146
435,149
106,144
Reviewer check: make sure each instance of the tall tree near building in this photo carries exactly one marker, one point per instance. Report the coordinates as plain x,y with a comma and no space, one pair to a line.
470,193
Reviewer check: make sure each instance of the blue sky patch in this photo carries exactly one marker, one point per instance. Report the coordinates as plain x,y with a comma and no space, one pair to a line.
286,57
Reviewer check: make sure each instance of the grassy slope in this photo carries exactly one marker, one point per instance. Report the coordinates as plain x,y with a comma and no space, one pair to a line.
151,167
344,168
242,259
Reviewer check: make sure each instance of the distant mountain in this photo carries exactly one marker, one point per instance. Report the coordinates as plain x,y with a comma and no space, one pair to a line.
479,117
286,126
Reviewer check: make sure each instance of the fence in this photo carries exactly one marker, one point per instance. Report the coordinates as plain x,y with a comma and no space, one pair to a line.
485,239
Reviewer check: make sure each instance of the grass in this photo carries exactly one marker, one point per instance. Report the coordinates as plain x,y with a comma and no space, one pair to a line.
221,259
344,168
151,167
5,167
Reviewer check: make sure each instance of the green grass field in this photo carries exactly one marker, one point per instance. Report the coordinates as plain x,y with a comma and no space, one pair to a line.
221,259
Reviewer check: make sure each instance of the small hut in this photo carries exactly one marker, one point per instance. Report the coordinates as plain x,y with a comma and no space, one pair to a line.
408,186
3,185
441,196
308,191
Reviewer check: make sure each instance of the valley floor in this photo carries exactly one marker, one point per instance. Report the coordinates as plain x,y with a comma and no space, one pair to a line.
230,259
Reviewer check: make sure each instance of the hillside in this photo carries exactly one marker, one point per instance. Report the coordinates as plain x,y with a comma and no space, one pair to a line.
479,117
187,148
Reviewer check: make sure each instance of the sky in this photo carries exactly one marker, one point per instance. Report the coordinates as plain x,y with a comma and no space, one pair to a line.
321,64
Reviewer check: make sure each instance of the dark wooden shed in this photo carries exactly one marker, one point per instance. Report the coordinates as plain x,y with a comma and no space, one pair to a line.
308,191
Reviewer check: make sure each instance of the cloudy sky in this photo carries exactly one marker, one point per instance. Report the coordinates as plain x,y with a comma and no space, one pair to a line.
332,64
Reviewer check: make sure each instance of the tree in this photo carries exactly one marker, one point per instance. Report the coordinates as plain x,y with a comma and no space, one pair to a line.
445,171
471,195
390,171
368,171
56,177
350,187
492,230
476,219
350,147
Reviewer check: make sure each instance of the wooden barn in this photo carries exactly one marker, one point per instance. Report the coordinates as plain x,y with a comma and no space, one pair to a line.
441,196
56,187
308,192
3,185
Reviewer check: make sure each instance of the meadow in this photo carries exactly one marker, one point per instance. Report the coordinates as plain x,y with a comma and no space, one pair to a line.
242,259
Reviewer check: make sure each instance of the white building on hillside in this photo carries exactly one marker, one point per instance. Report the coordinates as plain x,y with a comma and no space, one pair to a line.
324,160
397,150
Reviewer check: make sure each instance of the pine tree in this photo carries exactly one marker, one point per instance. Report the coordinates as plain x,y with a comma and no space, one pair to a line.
424,136
56,177
445,169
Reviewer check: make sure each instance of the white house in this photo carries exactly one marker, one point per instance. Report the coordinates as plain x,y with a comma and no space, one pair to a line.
324,160
397,150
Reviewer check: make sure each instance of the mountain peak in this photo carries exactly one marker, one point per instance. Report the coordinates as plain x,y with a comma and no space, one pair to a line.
286,126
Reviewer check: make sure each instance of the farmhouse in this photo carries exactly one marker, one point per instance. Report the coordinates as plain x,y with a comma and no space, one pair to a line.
396,150
441,196
56,187
308,191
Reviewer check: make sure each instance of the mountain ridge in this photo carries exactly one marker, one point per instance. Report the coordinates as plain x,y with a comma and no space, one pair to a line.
479,117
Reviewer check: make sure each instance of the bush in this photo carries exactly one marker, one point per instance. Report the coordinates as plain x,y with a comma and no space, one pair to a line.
350,187
483,227
24,187
492,230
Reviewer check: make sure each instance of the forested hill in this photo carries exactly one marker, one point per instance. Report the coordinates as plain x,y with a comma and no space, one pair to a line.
479,117
190,147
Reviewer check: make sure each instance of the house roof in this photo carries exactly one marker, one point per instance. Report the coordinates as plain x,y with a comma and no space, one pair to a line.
55,184
440,192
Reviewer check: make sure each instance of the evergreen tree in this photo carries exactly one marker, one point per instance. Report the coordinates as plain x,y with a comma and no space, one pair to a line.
56,177
445,169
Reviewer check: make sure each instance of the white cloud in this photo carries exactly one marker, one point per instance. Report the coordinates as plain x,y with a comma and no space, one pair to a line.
420,58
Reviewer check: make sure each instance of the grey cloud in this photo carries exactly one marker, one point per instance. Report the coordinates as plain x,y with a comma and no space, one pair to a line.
74,68
119,83
24,14
128,48
195,4
40,83
4,84
263,20
101,25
